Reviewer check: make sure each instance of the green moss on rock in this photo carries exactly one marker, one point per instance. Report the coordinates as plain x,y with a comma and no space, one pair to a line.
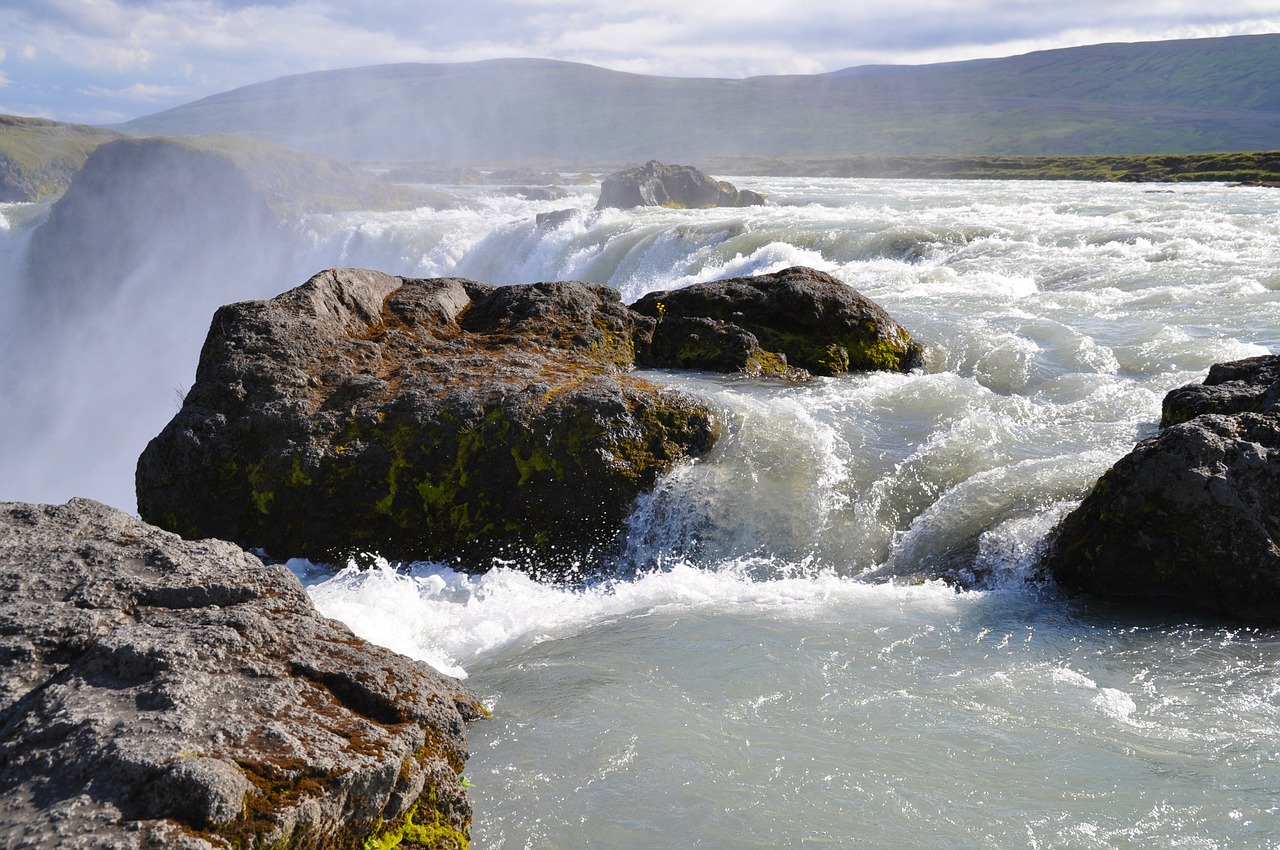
441,419
435,833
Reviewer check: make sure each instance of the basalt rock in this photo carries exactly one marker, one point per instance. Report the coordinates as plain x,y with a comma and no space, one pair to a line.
157,692
795,319
655,184
1192,514
1241,386
418,419
556,218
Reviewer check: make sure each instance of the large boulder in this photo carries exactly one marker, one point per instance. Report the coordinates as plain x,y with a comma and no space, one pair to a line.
156,692
795,319
418,419
655,185
1192,514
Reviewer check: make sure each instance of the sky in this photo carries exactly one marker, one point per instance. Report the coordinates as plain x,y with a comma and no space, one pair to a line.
106,61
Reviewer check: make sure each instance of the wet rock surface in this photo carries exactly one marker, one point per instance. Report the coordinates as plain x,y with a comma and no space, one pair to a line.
156,692
1192,514
795,319
1241,386
655,184
419,419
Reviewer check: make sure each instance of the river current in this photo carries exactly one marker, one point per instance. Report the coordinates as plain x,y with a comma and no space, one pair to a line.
778,668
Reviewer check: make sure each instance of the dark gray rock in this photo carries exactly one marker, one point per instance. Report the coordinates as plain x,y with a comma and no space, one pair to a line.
556,218
795,319
1241,386
655,184
1192,514
419,419
156,692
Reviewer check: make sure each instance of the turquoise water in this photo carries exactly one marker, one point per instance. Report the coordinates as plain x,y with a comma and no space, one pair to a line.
781,671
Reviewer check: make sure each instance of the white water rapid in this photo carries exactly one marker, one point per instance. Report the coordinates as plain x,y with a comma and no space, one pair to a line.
766,684
777,673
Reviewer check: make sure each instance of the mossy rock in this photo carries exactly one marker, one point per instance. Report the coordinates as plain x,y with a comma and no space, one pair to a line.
420,419
795,319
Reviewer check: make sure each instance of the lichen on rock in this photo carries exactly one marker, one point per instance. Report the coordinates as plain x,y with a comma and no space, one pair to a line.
158,692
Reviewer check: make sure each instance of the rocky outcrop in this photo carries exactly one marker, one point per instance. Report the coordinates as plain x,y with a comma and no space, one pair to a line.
141,206
418,419
796,319
156,692
1192,514
656,185
1241,386
191,207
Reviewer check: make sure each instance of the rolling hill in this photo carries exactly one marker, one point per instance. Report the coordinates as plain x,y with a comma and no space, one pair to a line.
1186,96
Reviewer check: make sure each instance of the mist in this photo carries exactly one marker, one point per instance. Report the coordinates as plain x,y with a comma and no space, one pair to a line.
107,296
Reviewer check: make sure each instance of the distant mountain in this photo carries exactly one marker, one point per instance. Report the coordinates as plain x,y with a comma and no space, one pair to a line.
1199,95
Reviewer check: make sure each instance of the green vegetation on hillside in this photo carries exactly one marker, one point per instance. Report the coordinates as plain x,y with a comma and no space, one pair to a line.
1261,168
38,158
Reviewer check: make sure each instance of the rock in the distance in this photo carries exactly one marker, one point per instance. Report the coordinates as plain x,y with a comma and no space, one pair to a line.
156,692
656,184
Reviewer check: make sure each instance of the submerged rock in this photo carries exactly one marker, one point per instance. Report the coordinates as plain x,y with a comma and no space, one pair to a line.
418,419
156,692
655,185
1192,514
798,318
556,218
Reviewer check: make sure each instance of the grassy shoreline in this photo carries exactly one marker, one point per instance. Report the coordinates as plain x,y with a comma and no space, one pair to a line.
1253,167
1260,168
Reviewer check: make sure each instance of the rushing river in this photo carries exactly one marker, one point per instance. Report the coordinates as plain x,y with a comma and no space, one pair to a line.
778,671
777,674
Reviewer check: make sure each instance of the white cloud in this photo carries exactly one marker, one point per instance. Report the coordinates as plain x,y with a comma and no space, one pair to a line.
138,91
155,51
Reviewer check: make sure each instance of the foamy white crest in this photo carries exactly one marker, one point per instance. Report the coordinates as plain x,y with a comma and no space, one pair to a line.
449,619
